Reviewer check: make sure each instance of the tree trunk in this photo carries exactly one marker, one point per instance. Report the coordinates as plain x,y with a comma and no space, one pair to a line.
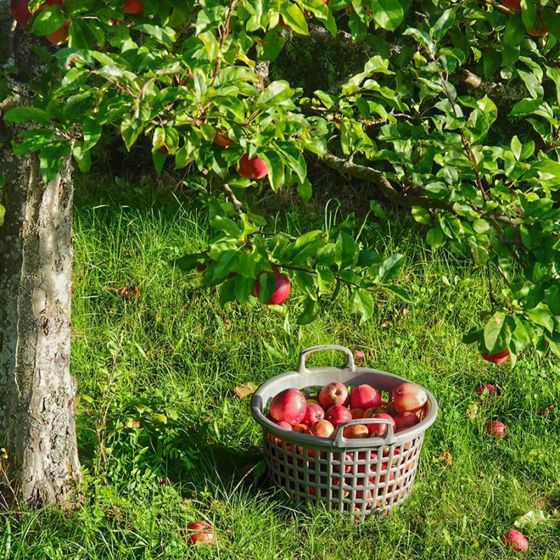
37,393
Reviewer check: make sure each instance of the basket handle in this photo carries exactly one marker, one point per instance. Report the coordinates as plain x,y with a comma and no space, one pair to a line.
388,438
303,356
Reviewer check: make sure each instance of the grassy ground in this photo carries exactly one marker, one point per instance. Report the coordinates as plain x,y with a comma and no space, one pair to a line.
163,439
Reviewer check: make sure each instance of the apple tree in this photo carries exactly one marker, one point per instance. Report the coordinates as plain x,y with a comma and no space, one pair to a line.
454,116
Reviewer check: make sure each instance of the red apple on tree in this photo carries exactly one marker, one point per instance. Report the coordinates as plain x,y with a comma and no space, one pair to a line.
288,405
252,168
496,357
132,7
333,394
221,138
61,34
281,291
364,396
20,12
514,5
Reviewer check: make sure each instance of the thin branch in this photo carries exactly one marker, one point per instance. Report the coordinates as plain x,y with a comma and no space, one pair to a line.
237,204
384,185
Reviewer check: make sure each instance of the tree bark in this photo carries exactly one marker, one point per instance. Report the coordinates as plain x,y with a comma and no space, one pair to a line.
37,393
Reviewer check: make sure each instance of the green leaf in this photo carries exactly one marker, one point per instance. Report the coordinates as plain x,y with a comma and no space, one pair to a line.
47,20
294,18
399,292
2,214
540,315
390,267
310,312
493,329
435,238
27,114
362,303
443,24
388,14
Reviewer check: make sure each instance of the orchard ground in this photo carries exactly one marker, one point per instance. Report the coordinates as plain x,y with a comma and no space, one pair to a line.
163,439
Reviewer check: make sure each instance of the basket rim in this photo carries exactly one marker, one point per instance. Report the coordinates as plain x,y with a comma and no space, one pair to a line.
258,401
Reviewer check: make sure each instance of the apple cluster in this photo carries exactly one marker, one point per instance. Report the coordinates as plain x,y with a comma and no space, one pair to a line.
336,403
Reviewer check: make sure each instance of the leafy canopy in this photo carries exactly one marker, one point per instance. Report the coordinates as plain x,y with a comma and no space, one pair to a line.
455,115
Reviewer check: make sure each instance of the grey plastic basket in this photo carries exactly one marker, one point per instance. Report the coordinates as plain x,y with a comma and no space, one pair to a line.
356,476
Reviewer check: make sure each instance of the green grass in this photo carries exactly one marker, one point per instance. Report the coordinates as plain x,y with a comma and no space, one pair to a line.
162,439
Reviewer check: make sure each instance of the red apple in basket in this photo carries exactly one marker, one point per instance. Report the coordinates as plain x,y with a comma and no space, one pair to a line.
408,397
364,396
333,394
337,414
405,420
380,429
313,414
323,429
288,405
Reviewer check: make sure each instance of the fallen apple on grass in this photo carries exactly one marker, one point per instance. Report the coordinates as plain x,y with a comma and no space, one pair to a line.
201,532
515,540
496,429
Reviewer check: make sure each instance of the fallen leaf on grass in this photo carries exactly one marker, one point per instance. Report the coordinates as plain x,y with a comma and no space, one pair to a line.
532,519
472,411
447,458
242,391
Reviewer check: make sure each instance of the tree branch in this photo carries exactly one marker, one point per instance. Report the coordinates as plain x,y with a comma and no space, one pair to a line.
370,175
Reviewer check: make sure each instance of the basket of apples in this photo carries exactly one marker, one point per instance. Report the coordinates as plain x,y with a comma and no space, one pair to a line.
346,436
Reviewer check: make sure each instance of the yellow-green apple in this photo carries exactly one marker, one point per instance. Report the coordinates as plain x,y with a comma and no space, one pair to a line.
252,168
496,357
364,396
337,414
313,414
288,405
496,429
379,430
323,429
515,540
333,394
408,397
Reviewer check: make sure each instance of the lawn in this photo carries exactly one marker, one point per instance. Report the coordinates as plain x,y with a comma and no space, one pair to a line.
164,440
